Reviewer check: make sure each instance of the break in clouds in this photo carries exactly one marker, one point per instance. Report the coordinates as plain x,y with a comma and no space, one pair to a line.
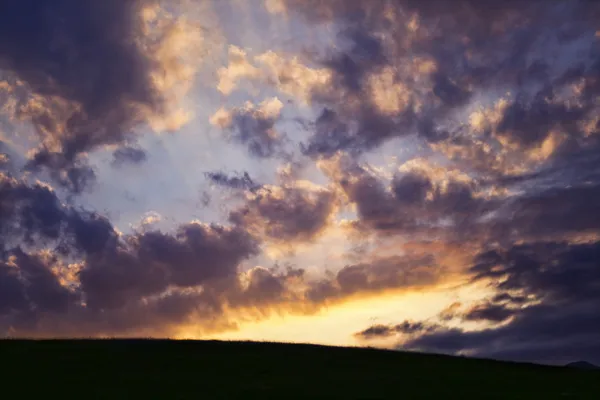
437,140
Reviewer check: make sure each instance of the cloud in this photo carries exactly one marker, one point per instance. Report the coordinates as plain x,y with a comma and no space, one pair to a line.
128,155
253,127
29,212
406,327
35,285
109,271
557,211
238,68
87,74
539,333
489,312
268,288
66,271
377,275
538,253
148,263
5,157
403,68
419,196
287,213
151,283
243,182
286,73
148,221
546,297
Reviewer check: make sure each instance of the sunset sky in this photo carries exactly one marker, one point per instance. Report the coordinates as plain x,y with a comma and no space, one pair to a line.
420,175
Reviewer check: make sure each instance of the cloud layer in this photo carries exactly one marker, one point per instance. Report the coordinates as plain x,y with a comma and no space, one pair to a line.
415,144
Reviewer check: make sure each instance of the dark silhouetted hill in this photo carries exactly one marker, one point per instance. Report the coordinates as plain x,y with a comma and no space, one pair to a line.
583,365
162,369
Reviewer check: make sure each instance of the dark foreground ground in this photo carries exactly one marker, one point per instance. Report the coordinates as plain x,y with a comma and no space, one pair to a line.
152,369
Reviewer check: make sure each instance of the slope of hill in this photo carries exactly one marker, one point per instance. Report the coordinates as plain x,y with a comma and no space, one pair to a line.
583,365
157,369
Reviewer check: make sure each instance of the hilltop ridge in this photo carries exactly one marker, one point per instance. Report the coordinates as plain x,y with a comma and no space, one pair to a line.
229,370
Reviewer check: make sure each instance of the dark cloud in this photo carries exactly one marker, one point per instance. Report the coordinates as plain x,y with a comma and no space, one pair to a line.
66,271
546,286
558,210
377,275
42,290
413,200
110,271
268,287
529,124
557,283
91,233
243,181
5,159
28,213
75,178
489,312
550,270
85,74
128,155
31,289
286,213
149,263
12,296
364,54
505,297
539,334
406,328
352,130
449,92
254,127
376,331
472,50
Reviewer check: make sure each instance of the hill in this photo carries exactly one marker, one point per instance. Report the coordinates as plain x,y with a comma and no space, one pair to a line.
582,365
162,369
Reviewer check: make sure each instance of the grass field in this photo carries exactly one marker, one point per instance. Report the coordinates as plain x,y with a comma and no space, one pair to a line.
157,369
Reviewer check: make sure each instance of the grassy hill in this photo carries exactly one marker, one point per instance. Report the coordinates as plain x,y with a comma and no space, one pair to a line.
157,369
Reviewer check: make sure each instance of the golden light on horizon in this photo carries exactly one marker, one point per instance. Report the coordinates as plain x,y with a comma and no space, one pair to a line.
335,325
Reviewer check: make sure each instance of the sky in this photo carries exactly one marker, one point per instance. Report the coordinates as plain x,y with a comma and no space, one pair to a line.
412,175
